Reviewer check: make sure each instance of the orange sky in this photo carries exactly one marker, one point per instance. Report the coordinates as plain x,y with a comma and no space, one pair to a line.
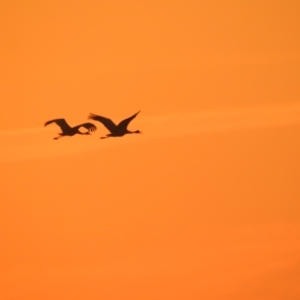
204,204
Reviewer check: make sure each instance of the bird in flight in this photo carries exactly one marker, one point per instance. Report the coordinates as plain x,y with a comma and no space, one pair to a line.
67,130
115,130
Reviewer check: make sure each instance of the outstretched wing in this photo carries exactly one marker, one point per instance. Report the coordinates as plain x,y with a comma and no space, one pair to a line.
61,123
108,123
123,124
89,126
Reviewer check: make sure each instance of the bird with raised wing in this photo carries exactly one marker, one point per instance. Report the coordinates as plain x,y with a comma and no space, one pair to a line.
115,130
67,130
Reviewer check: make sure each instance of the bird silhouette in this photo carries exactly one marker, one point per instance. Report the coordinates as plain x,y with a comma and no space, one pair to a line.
67,130
115,130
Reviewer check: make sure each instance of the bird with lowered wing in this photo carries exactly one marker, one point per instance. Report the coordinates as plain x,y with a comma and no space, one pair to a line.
67,130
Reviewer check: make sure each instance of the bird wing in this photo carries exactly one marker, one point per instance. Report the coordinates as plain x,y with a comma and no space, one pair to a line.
123,124
89,126
108,123
60,122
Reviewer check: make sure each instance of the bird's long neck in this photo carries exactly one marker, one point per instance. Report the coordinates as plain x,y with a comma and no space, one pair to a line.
133,131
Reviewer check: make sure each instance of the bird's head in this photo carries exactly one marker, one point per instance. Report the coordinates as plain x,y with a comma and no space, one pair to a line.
138,131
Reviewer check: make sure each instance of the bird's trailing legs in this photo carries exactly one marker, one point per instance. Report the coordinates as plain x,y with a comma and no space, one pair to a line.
105,137
58,137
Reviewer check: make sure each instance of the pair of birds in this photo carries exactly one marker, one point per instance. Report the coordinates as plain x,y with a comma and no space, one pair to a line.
115,130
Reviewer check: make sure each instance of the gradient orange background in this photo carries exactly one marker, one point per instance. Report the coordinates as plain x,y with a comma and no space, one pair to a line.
204,204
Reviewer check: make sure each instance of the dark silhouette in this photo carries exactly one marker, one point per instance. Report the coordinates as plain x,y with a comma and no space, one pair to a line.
70,131
115,130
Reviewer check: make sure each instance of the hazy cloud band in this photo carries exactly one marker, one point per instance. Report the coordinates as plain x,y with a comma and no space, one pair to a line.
37,142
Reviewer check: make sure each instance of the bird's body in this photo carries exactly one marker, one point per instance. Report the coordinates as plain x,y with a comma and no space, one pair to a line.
67,130
115,130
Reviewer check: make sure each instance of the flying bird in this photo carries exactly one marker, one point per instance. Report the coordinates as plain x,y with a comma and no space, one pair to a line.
67,130
115,130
